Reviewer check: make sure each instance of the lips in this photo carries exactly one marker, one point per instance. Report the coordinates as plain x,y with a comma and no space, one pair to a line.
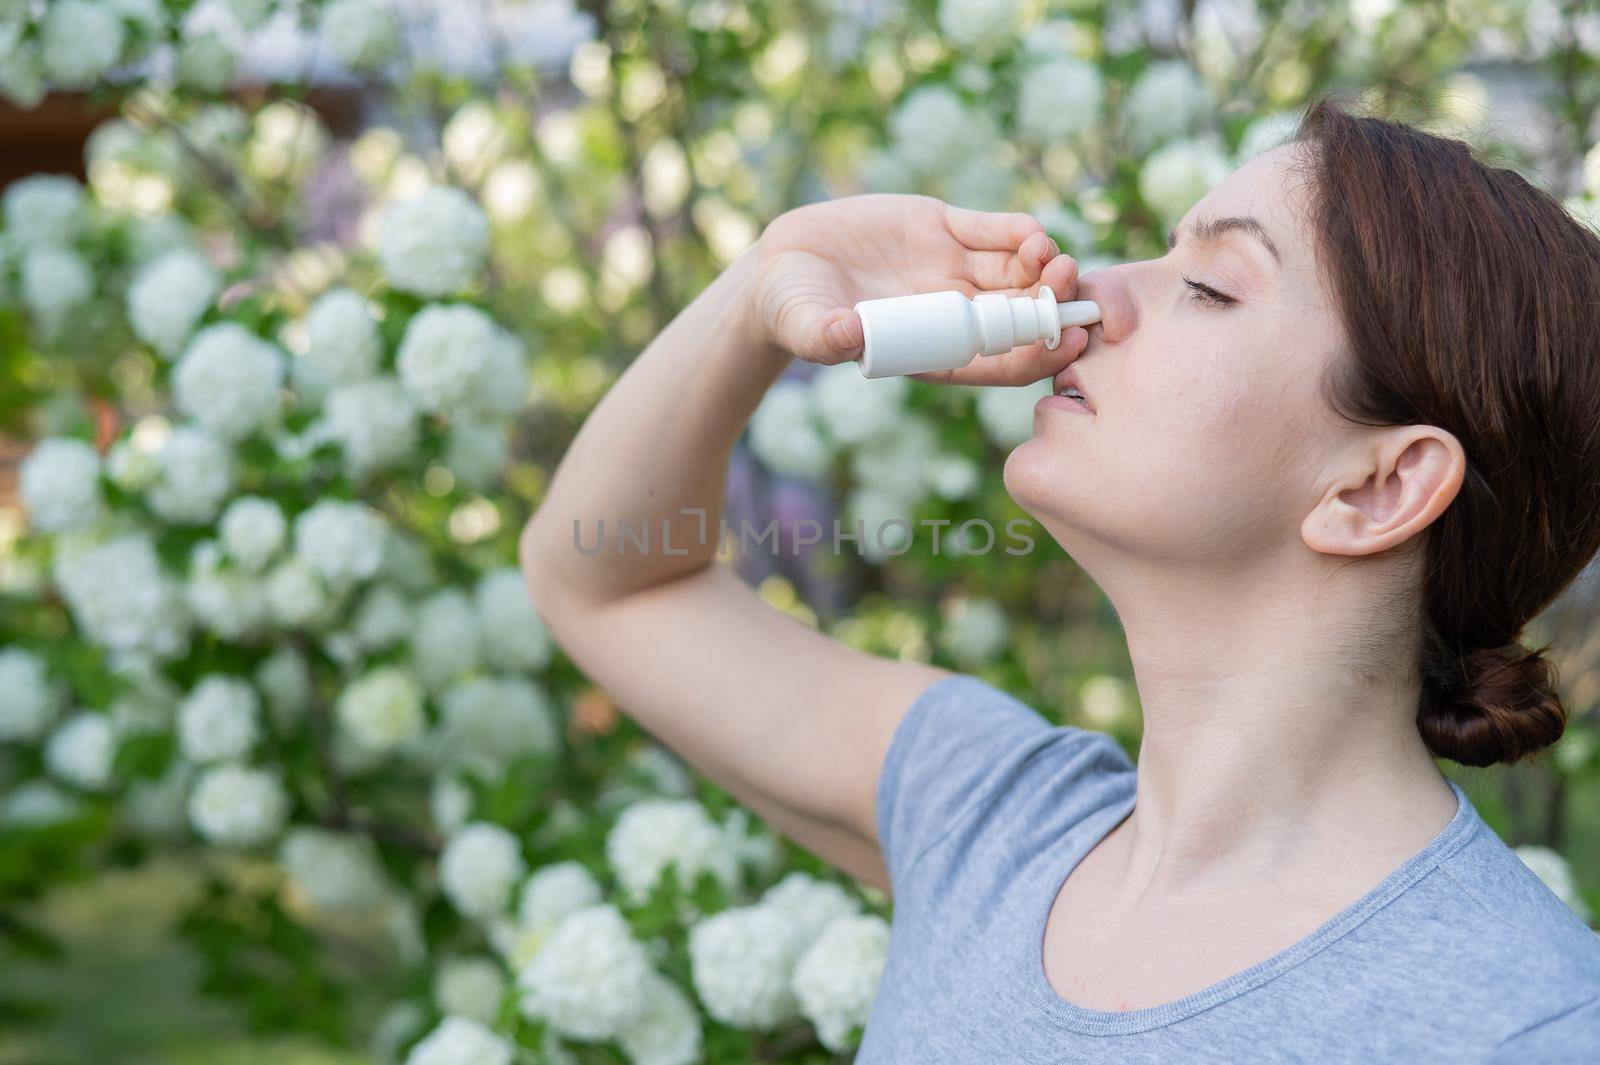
1068,378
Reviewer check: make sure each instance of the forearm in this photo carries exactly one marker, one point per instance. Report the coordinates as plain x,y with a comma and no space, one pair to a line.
653,454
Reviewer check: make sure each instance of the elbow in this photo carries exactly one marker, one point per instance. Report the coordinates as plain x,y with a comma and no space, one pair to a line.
534,556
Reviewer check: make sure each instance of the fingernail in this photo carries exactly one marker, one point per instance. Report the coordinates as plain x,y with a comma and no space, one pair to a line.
839,336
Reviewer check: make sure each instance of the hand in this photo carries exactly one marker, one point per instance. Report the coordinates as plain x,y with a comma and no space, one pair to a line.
814,263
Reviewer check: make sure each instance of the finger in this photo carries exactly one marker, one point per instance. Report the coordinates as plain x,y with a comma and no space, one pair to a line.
998,270
1019,366
1061,274
990,230
830,335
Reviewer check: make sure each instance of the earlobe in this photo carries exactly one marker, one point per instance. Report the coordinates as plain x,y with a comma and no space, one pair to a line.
1405,482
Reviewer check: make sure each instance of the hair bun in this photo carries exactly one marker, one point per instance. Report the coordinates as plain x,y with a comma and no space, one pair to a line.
1496,704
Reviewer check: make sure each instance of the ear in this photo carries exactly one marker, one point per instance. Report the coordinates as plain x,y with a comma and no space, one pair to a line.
1394,487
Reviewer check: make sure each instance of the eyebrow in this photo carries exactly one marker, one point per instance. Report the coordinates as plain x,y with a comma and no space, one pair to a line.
1215,228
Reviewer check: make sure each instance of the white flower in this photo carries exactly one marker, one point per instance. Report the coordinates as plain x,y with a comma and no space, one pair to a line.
470,987
513,636
854,408
1077,235
206,61
953,476
589,979
44,209
194,478
382,709
55,282
887,523
121,599
659,768
382,620
434,244
837,979
237,806
60,485
28,701
250,14
1177,175
374,422
1170,99
449,803
341,542
445,643
1006,413
228,380
224,601
360,33
130,467
667,1028
286,682
396,1026
335,871
36,803
1556,873
169,296
342,343
252,530
1058,98
656,833
1265,133
975,630
982,26
741,960
898,458
980,183
934,130
808,905
219,720
22,75
80,751
487,721
296,596
554,891
785,432
478,868
454,359
758,850
476,453
461,1041
80,41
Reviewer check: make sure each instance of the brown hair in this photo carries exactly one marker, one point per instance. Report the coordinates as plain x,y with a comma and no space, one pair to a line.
1469,299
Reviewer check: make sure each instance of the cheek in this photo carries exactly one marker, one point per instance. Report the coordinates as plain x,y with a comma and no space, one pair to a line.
1195,448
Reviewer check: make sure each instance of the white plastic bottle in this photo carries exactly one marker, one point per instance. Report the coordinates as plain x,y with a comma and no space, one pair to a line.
945,330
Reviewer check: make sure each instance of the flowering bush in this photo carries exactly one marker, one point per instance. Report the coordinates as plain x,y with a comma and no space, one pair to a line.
289,395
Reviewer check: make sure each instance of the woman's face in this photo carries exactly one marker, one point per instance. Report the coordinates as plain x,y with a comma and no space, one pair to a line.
1208,432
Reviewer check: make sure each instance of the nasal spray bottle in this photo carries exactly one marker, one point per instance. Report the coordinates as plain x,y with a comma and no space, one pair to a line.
945,330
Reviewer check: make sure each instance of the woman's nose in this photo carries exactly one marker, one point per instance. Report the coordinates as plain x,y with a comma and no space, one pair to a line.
1108,286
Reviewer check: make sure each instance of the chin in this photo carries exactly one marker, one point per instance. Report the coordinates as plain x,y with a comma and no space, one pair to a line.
1033,477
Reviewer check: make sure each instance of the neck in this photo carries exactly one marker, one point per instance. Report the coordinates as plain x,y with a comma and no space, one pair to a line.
1272,725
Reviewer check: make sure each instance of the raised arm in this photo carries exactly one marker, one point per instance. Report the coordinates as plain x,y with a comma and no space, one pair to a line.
788,720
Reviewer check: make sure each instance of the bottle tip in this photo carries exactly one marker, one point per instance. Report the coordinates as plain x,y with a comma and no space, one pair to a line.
1079,312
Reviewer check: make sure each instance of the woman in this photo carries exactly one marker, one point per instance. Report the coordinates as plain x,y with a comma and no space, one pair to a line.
1343,442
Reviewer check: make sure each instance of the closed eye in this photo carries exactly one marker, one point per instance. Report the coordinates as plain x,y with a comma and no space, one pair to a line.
1201,293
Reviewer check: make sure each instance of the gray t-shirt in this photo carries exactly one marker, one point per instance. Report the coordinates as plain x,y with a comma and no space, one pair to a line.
983,808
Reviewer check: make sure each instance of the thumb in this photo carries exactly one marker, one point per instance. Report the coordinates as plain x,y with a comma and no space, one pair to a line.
831,335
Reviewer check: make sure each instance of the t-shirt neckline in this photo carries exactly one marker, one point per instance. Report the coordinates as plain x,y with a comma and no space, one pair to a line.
1116,1022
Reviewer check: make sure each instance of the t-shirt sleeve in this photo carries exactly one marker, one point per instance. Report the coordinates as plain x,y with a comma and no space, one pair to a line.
962,748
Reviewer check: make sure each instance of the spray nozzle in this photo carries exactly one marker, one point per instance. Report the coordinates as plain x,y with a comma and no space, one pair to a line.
944,330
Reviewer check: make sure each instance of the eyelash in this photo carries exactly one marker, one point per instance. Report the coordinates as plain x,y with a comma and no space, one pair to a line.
1206,294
